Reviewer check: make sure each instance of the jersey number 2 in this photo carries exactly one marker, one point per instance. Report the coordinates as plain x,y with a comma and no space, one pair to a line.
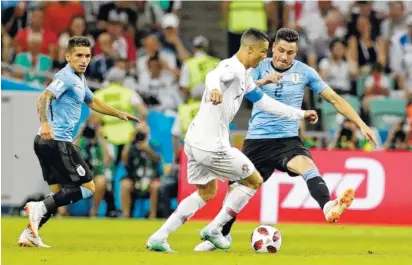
278,91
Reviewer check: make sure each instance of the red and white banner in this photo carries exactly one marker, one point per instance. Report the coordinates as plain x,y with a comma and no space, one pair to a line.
382,180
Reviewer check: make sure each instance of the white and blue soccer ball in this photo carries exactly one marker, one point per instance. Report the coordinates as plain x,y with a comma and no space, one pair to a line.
266,239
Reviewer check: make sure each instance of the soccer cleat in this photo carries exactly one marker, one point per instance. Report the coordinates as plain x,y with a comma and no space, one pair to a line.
159,245
206,246
35,213
27,240
334,209
216,238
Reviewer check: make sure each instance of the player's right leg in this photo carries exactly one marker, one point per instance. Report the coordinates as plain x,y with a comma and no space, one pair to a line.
236,166
206,185
260,153
70,171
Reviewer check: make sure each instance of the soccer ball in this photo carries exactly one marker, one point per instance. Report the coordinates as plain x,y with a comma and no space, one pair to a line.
266,239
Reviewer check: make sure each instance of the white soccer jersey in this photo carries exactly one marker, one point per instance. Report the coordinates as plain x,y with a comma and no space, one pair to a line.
210,129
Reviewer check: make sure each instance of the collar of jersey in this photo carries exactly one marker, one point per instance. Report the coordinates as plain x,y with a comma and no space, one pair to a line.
279,70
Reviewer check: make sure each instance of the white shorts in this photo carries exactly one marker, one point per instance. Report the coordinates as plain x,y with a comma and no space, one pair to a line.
204,166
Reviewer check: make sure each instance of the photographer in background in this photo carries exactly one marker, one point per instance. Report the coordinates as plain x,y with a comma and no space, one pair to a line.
398,137
93,149
144,170
347,137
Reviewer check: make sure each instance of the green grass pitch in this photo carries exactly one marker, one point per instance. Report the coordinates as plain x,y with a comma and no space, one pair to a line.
106,241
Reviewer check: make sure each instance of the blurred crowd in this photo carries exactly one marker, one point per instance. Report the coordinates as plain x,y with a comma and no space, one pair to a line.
141,62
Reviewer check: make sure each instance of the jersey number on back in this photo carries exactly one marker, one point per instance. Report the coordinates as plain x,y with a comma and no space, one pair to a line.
278,90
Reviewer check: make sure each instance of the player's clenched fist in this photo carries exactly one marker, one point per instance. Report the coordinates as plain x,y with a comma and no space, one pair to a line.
311,116
46,132
215,96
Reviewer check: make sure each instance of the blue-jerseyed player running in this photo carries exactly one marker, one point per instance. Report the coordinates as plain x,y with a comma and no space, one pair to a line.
59,109
273,143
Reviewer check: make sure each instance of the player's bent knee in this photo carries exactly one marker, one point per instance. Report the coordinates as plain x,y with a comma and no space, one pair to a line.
300,164
90,186
254,181
208,191
87,190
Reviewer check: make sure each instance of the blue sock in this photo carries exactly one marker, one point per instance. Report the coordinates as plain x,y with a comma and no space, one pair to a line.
311,173
86,193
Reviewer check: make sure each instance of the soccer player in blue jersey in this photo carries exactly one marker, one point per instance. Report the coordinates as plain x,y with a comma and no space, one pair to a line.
59,109
273,142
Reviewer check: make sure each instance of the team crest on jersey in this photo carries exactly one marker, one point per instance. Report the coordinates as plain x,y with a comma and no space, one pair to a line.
245,168
295,78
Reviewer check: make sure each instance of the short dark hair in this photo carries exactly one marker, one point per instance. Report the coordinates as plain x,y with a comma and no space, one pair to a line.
153,58
288,35
336,40
78,41
254,34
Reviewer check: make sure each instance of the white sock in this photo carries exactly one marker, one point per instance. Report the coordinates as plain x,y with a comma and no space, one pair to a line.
235,201
186,209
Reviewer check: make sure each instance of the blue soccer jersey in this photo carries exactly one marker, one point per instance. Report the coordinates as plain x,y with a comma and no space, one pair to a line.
71,91
290,91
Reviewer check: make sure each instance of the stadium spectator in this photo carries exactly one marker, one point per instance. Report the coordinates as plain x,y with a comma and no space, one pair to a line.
6,46
363,9
399,136
127,100
77,27
377,85
14,18
49,38
347,137
151,48
144,170
93,149
335,70
149,16
170,38
57,15
122,43
394,24
316,17
159,87
194,69
362,48
401,59
239,16
33,59
91,10
117,11
333,29
101,63
170,6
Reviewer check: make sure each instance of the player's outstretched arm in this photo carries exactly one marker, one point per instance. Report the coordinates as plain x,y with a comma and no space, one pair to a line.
101,107
346,110
43,104
270,105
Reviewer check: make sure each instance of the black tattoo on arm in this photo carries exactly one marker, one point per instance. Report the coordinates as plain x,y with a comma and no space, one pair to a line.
43,104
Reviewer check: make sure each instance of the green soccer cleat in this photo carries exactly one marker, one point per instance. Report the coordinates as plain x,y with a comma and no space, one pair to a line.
159,245
216,238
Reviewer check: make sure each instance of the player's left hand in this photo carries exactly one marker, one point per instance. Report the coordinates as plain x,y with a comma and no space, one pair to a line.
273,77
369,135
127,117
312,116
215,96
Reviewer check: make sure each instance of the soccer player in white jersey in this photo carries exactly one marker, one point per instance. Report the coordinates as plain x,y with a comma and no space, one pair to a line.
210,156
273,143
